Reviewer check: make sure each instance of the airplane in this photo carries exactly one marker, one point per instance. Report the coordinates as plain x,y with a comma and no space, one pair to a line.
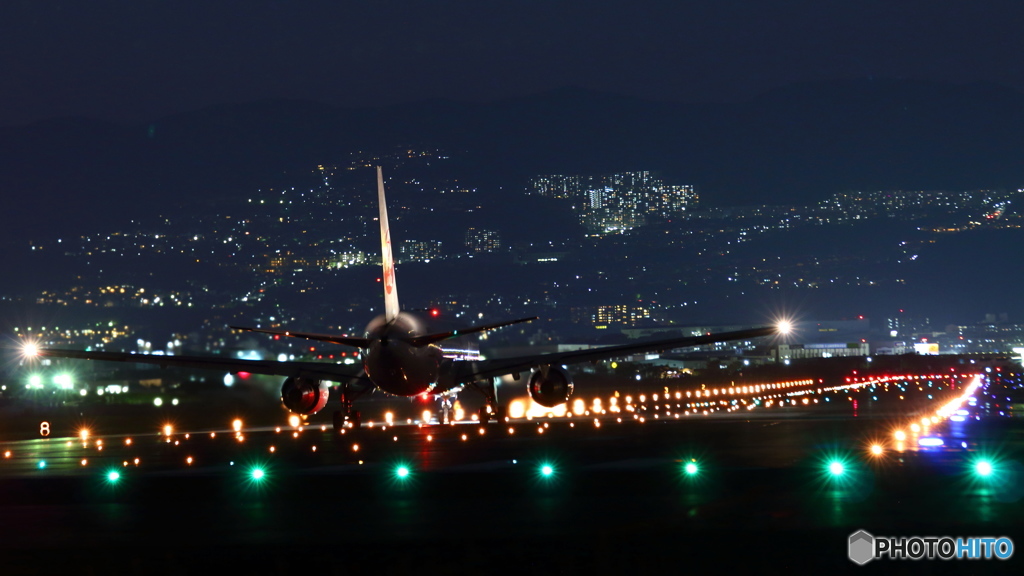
399,358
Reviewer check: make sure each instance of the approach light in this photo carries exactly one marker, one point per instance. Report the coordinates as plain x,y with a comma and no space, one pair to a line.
876,449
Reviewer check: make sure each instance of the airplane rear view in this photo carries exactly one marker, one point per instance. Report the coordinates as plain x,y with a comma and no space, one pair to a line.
400,358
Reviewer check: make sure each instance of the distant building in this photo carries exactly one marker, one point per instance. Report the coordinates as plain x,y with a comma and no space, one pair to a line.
615,203
616,315
480,240
802,351
419,250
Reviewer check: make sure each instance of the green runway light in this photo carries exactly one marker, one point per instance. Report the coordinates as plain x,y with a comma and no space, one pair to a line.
691,468
836,468
402,472
42,464
983,468
547,470
113,476
257,474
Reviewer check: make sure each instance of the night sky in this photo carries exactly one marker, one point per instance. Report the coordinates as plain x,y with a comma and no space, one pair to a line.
133,61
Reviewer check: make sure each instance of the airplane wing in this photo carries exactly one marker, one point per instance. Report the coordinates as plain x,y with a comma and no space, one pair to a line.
313,370
332,338
365,343
466,372
441,336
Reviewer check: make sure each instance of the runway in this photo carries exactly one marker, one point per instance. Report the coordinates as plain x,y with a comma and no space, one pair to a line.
784,488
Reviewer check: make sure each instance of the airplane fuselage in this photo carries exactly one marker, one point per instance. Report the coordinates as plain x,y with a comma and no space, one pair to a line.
396,366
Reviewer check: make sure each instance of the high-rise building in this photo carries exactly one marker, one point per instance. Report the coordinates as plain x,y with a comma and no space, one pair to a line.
480,240
419,250
614,203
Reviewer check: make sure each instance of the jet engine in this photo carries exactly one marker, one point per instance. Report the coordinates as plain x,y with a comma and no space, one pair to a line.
550,386
304,396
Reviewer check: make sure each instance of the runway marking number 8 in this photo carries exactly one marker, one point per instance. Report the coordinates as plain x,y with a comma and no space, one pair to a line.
44,429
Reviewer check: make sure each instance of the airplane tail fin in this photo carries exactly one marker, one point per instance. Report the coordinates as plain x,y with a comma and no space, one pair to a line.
391,308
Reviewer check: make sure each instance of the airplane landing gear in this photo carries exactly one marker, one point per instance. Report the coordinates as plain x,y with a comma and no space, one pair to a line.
447,411
497,412
347,414
354,417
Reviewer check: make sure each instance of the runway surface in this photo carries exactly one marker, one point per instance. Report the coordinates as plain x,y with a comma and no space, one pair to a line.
749,490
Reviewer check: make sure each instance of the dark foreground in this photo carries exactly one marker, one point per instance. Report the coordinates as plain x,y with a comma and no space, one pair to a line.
618,499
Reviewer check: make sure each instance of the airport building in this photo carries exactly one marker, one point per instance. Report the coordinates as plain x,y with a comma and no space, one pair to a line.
836,350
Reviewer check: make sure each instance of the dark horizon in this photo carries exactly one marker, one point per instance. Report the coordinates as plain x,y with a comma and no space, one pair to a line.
146,61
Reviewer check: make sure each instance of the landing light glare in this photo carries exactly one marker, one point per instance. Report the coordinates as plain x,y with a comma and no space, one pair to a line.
30,350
